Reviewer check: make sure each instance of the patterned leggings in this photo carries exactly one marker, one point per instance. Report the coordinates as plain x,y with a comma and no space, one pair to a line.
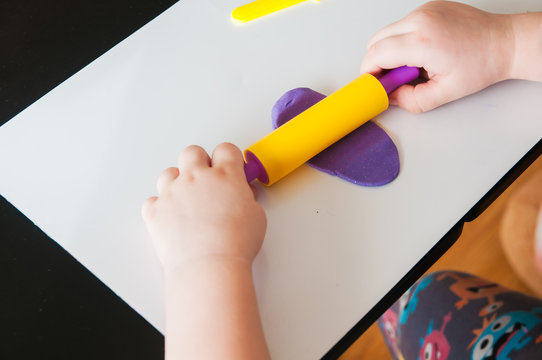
453,315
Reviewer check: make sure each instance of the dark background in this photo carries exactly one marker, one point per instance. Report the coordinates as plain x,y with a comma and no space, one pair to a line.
51,307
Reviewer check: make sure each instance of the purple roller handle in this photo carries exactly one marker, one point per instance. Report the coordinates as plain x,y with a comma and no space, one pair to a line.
399,76
254,169
391,81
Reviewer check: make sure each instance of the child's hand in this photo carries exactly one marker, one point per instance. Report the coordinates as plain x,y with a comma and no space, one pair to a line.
462,50
205,210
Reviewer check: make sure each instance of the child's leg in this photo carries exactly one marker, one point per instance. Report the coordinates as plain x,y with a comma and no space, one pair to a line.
453,315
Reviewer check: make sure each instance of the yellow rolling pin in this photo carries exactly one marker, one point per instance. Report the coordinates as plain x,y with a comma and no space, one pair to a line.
323,124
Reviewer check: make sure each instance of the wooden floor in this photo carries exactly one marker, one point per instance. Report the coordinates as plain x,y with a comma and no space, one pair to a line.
477,251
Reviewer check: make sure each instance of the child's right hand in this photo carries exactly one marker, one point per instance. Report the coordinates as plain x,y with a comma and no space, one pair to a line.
207,228
462,50
205,210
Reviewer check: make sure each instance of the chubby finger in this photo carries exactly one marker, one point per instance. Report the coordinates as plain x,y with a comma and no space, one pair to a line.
192,157
146,208
419,98
399,27
228,155
166,178
393,52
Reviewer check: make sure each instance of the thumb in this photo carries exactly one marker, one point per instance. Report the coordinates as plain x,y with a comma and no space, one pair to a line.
418,98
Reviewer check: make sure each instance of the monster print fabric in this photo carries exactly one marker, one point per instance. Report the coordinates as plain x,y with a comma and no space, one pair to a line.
452,315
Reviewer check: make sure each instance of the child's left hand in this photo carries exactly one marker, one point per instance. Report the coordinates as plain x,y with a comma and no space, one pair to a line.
205,210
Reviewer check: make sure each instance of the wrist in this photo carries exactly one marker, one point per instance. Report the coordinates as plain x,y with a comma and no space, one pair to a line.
212,300
527,49
208,264
502,53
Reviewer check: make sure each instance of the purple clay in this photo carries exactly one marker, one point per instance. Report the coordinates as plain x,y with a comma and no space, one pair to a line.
367,156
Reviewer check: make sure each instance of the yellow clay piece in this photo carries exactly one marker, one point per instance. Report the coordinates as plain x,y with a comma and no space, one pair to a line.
260,8
318,127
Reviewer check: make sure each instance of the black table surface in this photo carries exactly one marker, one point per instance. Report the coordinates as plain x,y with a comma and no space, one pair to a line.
51,307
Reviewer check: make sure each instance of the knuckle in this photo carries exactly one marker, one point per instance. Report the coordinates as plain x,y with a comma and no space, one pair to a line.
171,172
420,39
191,149
424,19
227,148
194,174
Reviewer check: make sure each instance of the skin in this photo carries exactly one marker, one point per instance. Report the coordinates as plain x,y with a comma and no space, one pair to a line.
207,228
206,225
460,49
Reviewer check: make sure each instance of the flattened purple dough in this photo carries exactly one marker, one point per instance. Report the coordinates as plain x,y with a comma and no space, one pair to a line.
367,156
